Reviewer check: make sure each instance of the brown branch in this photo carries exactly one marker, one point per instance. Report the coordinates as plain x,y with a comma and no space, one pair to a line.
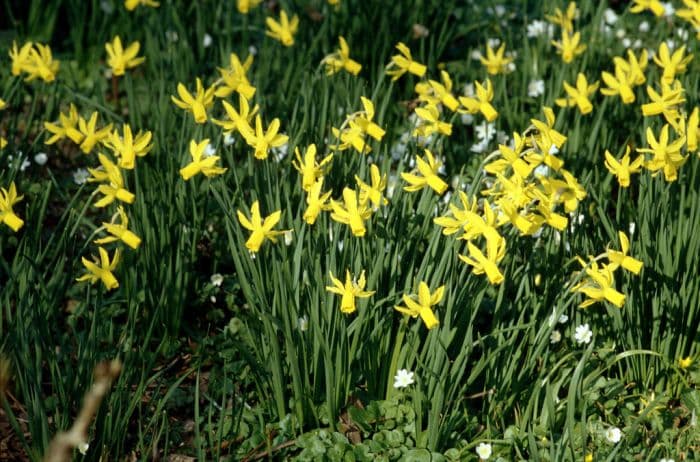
61,447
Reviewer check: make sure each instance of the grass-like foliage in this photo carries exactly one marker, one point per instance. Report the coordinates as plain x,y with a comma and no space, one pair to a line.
349,230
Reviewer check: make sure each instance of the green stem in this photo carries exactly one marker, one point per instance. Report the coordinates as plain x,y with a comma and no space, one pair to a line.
395,356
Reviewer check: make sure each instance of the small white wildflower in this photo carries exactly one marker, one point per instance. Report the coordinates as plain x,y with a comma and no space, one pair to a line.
216,279
510,67
536,28
555,337
671,44
475,55
212,299
398,150
403,378
341,246
303,323
210,150
41,158
207,40
613,435
484,451
480,147
637,44
485,131
466,119
682,34
563,319
106,6
626,42
666,460
252,50
583,334
669,9
83,448
535,88
80,176
288,237
541,170
644,27
171,36
553,150
620,33
280,152
229,139
610,16
493,42
500,10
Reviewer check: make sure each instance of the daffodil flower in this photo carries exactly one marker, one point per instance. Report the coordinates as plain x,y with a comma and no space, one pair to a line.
666,102
569,46
8,198
340,60
40,64
308,168
120,231
120,59
91,135
430,122
260,229
102,270
126,147
198,103
564,19
113,187
578,95
234,78
201,163
20,57
495,251
655,6
65,128
496,63
434,92
423,306
482,101
262,141
623,168
372,193
666,157
598,286
349,291
618,84
131,5
351,212
316,201
238,120
284,30
244,6
428,169
621,259
403,63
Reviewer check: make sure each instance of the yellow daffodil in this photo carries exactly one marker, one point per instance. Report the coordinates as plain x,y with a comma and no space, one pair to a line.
546,129
197,104
316,201
495,251
482,101
460,216
340,60
40,64
308,168
126,147
423,306
598,286
234,78
618,84
633,67
511,158
403,62
372,193
666,102
496,63
579,95
113,187
564,19
238,120
691,14
569,46
434,92
685,363
349,291
102,270
65,128
429,122
8,198
621,259
201,162
120,231
132,4
284,30
262,141
260,229
672,64
356,127
244,6
655,6
623,168
428,169
120,59
91,135
351,212
20,57
666,157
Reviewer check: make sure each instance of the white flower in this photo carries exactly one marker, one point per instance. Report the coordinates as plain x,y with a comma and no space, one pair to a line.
555,337
83,448
229,139
252,50
539,27
216,279
210,150
620,33
483,450
303,323
485,131
632,228
613,435
41,158
469,89
207,41
212,299
475,55
541,170
671,44
535,88
280,152
480,147
682,34
562,319
467,119
171,36
583,334
288,237
108,8
627,43
644,27
80,176
669,10
667,460
493,42
609,16
403,378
